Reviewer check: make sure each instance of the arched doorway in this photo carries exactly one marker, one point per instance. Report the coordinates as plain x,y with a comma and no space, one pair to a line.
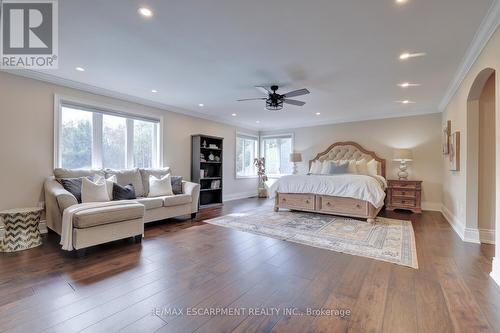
480,171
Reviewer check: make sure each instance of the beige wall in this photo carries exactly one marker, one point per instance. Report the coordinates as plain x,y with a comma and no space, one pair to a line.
454,183
486,194
420,133
26,139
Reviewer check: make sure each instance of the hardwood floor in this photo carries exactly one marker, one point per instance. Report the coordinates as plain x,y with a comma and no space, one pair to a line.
189,264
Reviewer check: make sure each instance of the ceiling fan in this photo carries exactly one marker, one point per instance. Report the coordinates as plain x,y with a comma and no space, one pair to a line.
274,101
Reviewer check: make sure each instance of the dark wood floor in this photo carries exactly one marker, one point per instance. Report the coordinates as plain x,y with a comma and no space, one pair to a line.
184,264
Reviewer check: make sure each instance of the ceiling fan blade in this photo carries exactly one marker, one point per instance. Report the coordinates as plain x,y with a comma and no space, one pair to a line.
265,90
296,93
294,102
252,99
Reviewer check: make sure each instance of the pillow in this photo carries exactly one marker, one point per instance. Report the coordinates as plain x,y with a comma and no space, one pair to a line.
73,186
158,173
160,187
351,167
372,168
361,167
176,184
125,177
325,167
126,192
338,168
94,192
109,183
316,167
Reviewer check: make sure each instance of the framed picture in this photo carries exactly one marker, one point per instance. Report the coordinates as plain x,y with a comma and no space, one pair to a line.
455,151
446,138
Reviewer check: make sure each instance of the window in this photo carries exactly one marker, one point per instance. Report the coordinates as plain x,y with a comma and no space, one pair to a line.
246,152
276,150
87,137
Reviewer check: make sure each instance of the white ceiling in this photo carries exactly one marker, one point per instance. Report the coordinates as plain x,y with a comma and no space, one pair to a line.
214,51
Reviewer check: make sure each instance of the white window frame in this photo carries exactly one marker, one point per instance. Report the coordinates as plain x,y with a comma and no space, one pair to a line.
276,136
248,135
93,106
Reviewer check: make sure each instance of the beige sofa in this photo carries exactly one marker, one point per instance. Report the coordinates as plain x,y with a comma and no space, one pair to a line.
104,224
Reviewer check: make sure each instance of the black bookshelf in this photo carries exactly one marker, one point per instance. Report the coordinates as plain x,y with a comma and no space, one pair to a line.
202,147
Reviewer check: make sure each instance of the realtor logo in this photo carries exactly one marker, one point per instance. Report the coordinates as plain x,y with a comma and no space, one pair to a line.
29,34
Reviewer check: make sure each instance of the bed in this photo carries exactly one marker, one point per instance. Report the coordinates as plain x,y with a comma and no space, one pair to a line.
353,195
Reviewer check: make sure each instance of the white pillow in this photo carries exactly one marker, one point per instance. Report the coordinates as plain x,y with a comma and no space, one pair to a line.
351,167
316,167
94,191
361,167
325,168
109,183
160,187
372,168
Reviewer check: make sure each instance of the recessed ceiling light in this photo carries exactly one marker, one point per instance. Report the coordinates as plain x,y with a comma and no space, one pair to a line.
257,121
407,55
318,113
233,114
408,84
80,69
406,102
146,12
401,1
201,105
154,91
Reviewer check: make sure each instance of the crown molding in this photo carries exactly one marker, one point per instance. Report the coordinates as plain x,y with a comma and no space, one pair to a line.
42,76
485,31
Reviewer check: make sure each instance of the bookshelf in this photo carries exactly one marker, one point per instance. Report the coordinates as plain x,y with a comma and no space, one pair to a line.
206,168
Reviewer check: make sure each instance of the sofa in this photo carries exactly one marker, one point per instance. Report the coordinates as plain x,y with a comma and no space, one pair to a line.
99,225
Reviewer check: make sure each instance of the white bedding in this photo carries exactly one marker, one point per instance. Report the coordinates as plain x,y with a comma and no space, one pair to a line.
367,188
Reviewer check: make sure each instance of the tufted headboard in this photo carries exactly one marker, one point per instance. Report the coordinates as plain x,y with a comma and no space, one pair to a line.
349,151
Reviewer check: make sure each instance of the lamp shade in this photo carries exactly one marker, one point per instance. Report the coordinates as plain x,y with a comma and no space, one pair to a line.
295,157
402,155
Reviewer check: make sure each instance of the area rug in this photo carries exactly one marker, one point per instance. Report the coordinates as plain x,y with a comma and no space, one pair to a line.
387,239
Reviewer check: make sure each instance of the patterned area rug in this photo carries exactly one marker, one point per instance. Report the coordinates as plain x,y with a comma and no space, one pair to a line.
387,239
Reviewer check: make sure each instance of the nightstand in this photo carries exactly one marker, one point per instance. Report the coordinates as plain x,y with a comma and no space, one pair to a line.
404,194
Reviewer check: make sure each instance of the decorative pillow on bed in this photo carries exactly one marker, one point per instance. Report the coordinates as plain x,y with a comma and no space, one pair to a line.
372,168
337,168
325,167
351,167
316,167
362,167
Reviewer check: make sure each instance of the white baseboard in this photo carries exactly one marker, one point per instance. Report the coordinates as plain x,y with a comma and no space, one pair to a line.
487,236
471,235
454,222
42,226
432,206
495,270
240,195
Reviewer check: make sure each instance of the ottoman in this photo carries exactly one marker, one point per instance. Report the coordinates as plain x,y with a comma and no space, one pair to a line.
21,229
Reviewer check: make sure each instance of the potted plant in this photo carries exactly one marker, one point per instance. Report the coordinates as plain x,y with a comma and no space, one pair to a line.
260,163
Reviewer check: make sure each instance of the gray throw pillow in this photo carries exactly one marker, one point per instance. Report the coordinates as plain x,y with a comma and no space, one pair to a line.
73,186
338,169
126,192
176,184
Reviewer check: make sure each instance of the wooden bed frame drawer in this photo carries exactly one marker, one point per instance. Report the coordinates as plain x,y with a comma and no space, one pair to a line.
342,205
298,201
